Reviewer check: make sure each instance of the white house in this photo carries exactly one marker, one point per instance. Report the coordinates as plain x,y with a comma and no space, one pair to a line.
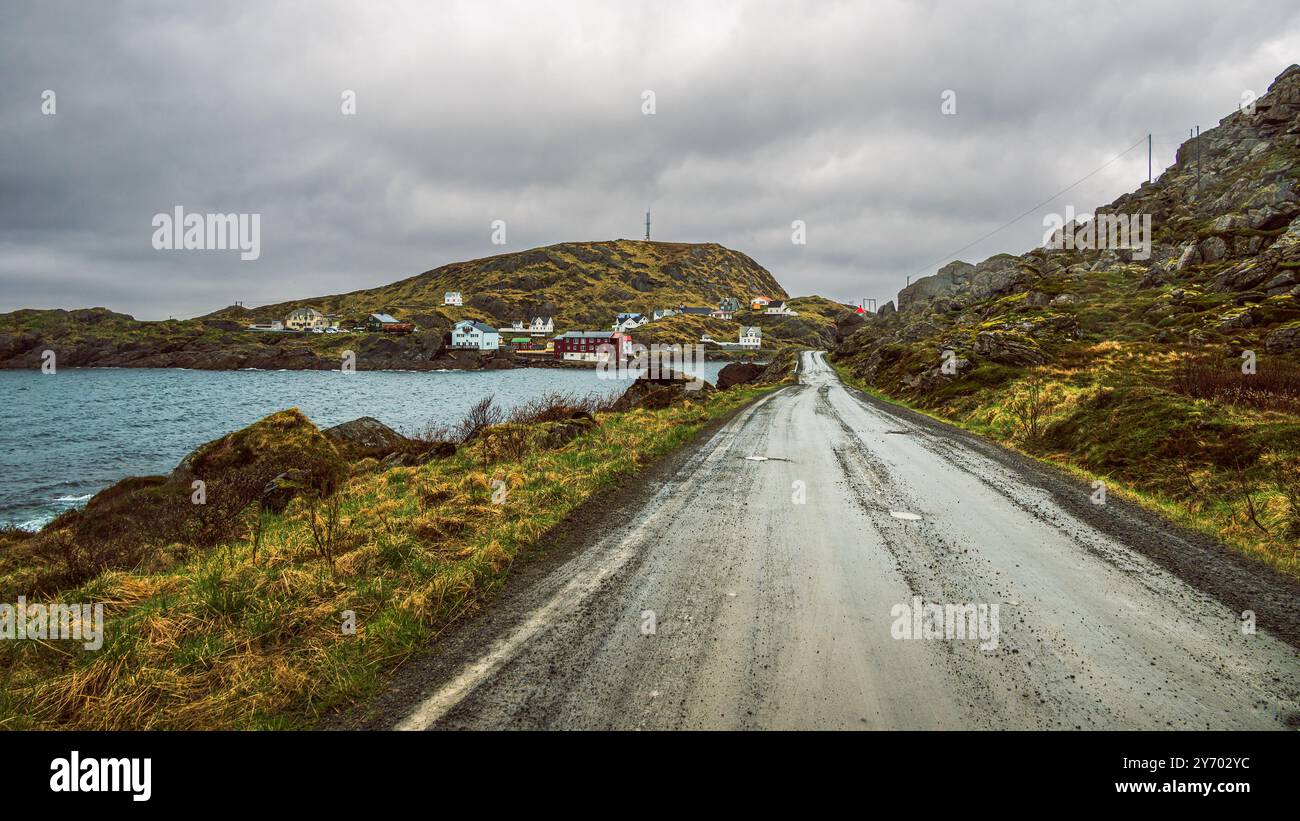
475,335
541,325
626,322
305,319
274,325
452,298
759,302
778,308
661,313
751,337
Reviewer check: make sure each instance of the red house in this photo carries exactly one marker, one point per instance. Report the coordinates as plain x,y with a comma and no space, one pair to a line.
591,346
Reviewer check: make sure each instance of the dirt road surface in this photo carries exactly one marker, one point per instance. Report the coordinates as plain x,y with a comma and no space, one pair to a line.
760,584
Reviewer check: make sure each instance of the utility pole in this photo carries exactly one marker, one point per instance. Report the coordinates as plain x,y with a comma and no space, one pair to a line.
647,226
1148,158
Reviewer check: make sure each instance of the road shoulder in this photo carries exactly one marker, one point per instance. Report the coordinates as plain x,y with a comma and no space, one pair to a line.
1236,580
463,642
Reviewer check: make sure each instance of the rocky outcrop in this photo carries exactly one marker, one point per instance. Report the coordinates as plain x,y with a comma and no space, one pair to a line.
1283,339
367,437
953,278
661,392
1007,349
1225,219
738,373
142,519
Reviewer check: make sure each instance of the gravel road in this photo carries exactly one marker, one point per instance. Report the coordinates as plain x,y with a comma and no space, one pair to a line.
770,577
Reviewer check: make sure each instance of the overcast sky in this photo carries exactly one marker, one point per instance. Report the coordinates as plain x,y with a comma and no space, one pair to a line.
532,113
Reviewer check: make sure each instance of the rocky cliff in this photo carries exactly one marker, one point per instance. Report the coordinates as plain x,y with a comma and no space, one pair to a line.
1175,375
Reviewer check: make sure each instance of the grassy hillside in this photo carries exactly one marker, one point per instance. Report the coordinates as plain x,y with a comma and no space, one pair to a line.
581,284
1138,372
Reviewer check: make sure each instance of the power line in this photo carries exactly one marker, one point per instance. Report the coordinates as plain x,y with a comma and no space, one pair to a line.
951,255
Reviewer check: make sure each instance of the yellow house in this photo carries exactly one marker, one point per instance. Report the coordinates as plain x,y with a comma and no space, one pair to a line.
305,319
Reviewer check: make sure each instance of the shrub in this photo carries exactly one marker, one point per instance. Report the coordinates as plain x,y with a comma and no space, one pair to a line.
1275,385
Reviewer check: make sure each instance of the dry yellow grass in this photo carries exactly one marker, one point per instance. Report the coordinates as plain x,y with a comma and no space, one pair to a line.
230,639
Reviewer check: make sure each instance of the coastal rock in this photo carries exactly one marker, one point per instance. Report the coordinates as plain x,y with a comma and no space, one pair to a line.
738,373
555,435
366,437
661,392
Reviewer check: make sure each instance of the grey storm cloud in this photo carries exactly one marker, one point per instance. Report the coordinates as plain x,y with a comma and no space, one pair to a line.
531,113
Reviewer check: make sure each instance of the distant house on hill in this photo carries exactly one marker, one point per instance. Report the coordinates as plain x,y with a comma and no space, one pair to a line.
542,325
475,335
452,298
759,302
305,319
751,337
384,323
726,308
626,322
778,308
662,313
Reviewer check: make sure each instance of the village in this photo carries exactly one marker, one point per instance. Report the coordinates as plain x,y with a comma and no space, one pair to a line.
536,338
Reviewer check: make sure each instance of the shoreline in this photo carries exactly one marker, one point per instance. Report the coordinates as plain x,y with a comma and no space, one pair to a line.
417,366
32,512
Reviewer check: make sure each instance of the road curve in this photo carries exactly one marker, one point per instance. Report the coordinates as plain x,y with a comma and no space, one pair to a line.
773,584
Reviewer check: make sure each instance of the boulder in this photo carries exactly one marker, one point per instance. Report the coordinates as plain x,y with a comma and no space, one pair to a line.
1213,249
1283,339
1007,349
661,392
1154,277
995,276
367,437
555,435
949,280
1190,256
738,373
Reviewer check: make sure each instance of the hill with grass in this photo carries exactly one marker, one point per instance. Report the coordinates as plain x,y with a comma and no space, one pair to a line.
1175,378
818,323
583,285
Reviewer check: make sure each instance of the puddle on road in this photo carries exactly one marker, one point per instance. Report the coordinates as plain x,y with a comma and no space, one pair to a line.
904,515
